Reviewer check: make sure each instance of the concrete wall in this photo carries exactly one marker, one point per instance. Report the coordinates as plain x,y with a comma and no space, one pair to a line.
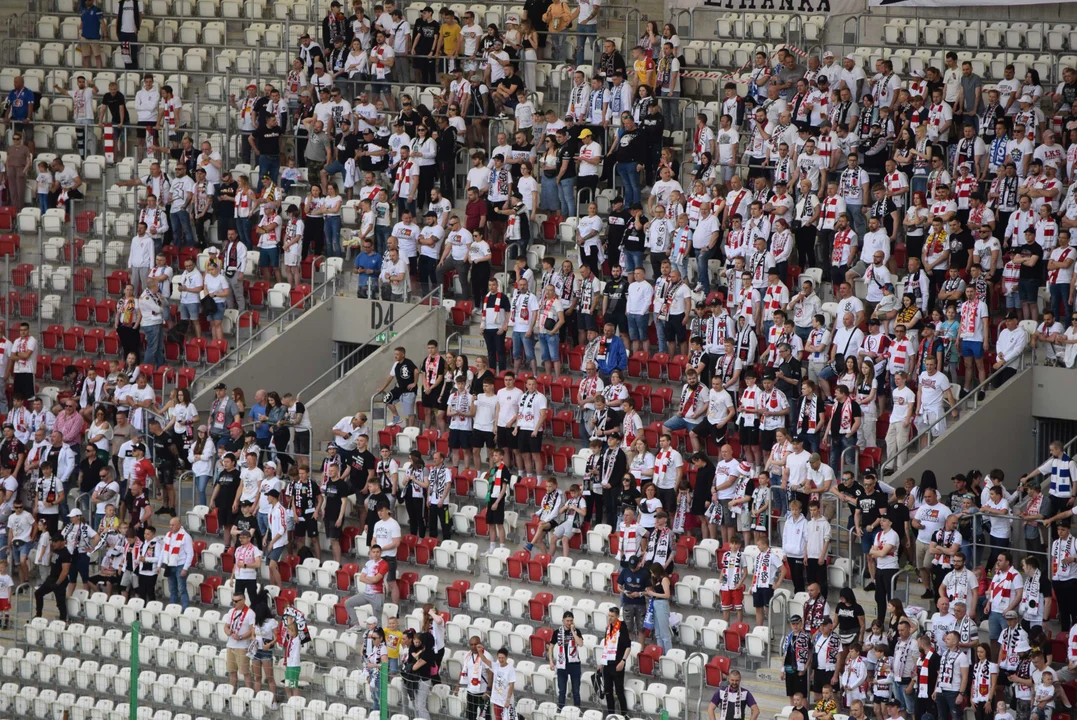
294,359
352,393
1054,393
998,435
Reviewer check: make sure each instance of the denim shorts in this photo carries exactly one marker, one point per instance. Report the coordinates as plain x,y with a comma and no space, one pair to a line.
1029,290
219,315
189,311
637,326
268,257
550,347
522,346
276,553
1013,301
21,552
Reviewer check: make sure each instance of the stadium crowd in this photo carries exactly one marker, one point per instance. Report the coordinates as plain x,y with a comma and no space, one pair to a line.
828,281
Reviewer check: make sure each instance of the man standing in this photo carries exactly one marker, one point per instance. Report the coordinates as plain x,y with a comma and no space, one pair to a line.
615,649
58,578
176,562
731,701
239,626
22,362
564,654
235,264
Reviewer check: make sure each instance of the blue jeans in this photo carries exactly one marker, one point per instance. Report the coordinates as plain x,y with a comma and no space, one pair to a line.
182,230
584,34
779,498
269,165
703,257
155,353
566,192
550,344
679,423
637,326
838,447
946,703
663,636
381,237
1060,301
243,229
202,482
177,586
332,236
548,198
522,346
660,330
907,702
629,177
43,202
571,671
860,223
633,260
669,108
263,523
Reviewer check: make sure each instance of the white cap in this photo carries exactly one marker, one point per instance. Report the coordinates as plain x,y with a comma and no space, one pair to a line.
850,56
1025,99
828,54
271,463
75,513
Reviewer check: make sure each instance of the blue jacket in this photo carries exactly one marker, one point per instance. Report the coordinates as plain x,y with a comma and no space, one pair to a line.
616,357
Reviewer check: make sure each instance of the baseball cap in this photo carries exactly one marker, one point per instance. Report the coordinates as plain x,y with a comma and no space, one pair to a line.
75,513
1010,615
796,619
220,386
236,426
585,133
828,54
1025,99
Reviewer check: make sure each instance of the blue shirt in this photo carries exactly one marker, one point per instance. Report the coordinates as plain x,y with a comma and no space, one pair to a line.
368,261
261,429
91,22
20,101
633,581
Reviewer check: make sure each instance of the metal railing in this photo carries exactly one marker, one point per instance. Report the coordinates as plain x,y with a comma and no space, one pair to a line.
244,349
969,403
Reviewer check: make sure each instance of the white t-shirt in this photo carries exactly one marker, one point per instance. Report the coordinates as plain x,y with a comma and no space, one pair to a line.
385,531
891,538
484,412
508,401
239,622
531,407
503,677
932,517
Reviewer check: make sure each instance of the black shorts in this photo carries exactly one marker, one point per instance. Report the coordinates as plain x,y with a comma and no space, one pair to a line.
620,320
749,435
481,439
675,329
704,429
767,438
796,683
224,515
820,679
586,321
432,400
307,527
505,439
166,474
495,516
390,560
459,439
526,442
332,531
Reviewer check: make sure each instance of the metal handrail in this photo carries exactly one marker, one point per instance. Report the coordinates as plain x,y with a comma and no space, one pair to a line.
29,590
911,448
690,662
893,583
385,329
234,354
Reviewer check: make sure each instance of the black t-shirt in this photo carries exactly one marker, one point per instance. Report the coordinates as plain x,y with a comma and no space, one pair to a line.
165,451
300,409
335,492
248,523
267,140
847,618
615,232
372,502
855,491
512,84
477,382
634,238
361,465
60,558
567,152
883,211
228,484
899,515
961,245
347,145
1036,271
90,473
226,198
835,421
232,445
791,370
114,103
651,127
406,374
304,495
871,507
426,33
616,290
630,148
410,121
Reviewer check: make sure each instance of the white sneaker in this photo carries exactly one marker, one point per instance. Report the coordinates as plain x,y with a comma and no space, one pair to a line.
698,288
274,706
397,420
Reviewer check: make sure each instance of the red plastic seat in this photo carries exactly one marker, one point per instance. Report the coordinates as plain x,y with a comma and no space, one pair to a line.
676,367
103,311
717,668
52,337
647,659
517,564
457,592
655,365
193,350
215,350
541,639
73,339
536,567
84,309
870,458
258,292
299,294
56,367
286,597
83,280
7,218
94,341
661,398
112,342
563,421
637,363
185,377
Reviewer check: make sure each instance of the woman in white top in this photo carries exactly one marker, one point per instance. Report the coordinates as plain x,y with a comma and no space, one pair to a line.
589,239
313,223
649,504
216,286
99,434
331,213
529,42
244,206
265,634
917,221
1069,339
550,319
669,35
201,455
181,418
528,188
866,393
851,376
479,256
641,465
356,66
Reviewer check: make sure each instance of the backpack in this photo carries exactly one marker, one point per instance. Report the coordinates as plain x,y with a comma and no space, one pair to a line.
596,685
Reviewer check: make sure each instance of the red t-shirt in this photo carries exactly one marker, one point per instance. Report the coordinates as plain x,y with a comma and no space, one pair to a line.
374,569
143,469
473,214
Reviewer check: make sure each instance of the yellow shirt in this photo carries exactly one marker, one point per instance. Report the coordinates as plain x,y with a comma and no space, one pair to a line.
644,71
450,40
393,638
558,17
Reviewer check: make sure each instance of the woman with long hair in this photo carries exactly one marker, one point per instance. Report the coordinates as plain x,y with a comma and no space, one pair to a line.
660,592
433,629
313,222
909,315
127,321
916,223
849,617
332,209
265,633
983,679
418,670
182,417
413,487
201,455
650,40
642,101
131,368
277,417
866,393
99,435
529,42
895,611
374,654
548,161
